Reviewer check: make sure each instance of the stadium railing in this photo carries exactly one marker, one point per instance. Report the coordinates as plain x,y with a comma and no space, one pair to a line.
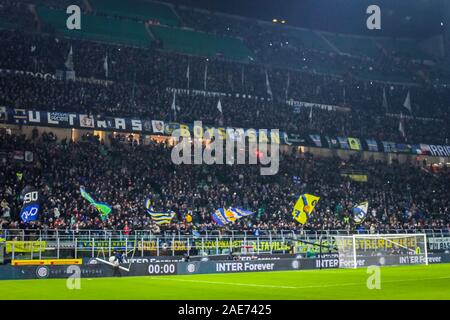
71,235
57,244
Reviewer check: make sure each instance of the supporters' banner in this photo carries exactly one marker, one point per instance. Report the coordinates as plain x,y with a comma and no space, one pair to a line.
58,117
332,142
304,207
435,243
147,126
25,246
422,149
389,146
213,94
293,103
3,113
355,143
356,177
296,180
86,121
372,145
19,155
359,212
293,139
30,209
431,150
157,126
439,151
101,207
223,216
343,142
403,148
316,140
19,116
29,156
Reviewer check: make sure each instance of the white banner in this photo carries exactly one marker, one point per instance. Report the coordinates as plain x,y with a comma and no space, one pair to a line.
439,243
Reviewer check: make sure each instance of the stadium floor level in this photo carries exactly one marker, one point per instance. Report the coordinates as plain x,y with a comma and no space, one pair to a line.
403,282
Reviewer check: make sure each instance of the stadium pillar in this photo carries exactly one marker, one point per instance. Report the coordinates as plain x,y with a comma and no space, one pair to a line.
320,252
188,248
270,242
173,246
157,247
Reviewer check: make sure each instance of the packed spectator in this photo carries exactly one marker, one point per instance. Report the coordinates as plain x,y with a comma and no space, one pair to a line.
401,196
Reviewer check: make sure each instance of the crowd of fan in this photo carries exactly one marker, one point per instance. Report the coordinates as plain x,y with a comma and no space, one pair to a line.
138,88
13,13
139,79
123,174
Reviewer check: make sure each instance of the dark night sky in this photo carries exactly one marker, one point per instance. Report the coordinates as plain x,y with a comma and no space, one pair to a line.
400,18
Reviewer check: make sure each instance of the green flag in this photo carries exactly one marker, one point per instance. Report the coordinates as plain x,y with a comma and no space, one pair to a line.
102,208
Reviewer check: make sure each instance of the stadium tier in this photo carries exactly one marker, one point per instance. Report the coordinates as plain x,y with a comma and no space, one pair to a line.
158,62
125,173
97,28
203,44
159,13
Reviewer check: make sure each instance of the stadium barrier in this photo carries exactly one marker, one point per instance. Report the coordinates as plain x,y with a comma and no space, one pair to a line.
46,262
9,272
196,247
89,235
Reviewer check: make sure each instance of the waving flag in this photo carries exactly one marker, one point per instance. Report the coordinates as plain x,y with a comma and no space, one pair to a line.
159,217
360,212
69,60
223,216
304,207
407,103
148,203
30,209
102,208
269,90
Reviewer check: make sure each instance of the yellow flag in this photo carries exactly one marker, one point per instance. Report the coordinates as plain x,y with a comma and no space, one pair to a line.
355,143
304,207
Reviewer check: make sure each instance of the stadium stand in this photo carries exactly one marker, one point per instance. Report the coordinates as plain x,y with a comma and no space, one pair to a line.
399,193
198,50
